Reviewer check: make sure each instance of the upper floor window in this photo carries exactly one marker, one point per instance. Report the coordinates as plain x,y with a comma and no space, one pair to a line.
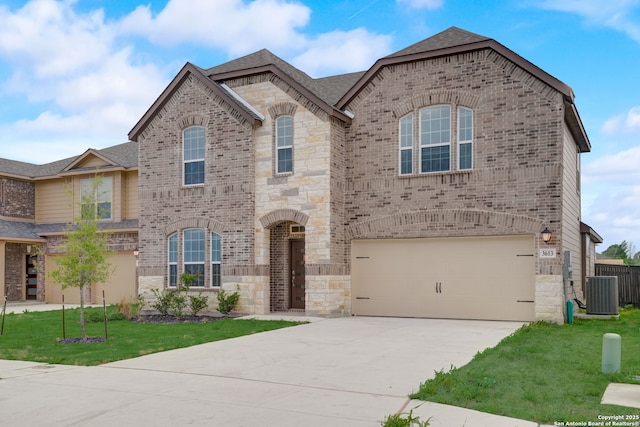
96,197
465,138
438,126
284,144
406,144
435,139
193,154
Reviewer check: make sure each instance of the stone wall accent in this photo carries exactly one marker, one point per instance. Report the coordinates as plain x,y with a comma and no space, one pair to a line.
328,295
549,298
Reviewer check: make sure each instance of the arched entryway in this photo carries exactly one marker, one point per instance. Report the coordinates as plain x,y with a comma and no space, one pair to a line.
287,257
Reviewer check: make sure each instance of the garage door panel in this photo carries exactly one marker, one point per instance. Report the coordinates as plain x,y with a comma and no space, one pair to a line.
469,278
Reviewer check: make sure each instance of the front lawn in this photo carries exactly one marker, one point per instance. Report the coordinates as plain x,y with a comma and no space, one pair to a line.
543,372
34,336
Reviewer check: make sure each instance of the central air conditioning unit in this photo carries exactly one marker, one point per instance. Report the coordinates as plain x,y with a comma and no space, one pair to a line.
602,295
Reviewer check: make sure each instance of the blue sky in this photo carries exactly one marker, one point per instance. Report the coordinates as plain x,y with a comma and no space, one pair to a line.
79,74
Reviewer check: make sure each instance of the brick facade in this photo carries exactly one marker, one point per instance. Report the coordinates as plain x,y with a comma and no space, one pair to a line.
346,182
17,199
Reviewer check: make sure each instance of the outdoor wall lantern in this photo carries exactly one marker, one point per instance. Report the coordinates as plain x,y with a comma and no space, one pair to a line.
136,252
546,235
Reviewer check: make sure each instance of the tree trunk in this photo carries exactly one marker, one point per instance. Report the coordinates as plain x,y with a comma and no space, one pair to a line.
82,330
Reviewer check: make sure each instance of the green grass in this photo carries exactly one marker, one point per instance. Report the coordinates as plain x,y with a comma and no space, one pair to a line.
33,336
543,372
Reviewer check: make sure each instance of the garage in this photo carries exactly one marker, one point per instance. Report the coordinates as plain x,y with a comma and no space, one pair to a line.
489,278
121,286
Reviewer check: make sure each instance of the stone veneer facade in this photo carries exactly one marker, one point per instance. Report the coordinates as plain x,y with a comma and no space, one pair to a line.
345,183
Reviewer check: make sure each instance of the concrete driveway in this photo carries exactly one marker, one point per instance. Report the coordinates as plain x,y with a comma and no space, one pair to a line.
350,371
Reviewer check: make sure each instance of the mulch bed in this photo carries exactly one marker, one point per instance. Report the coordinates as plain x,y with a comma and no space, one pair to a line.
171,320
157,318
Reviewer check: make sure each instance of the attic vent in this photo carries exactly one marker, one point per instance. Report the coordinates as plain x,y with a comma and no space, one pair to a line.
602,295
297,229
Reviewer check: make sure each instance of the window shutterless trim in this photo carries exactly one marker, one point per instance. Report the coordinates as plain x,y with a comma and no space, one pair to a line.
284,145
465,136
405,145
436,130
193,156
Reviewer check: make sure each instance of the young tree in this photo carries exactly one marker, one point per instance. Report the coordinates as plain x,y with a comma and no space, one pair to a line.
624,251
86,252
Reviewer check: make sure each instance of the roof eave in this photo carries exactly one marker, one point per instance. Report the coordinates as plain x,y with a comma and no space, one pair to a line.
165,96
574,123
586,229
469,47
271,68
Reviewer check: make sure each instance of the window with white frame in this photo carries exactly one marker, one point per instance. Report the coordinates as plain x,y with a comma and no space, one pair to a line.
465,138
435,139
284,144
96,197
173,260
438,126
216,257
193,155
406,145
194,253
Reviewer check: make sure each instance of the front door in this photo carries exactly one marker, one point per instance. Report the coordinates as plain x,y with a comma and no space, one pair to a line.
296,264
32,277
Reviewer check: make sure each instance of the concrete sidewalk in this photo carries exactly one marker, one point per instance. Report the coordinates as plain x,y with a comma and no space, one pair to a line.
349,371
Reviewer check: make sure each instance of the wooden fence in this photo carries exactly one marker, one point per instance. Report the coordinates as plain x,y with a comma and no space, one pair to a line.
628,282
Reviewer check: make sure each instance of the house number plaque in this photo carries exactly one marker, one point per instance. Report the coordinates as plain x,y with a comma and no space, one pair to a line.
548,253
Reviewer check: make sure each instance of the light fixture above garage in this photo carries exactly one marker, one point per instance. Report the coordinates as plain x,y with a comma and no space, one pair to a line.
546,235
136,252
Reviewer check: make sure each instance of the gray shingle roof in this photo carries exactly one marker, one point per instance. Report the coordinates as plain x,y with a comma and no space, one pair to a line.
328,89
125,155
450,37
57,228
17,230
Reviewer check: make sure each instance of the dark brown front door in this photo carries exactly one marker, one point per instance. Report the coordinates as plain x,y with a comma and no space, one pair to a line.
32,277
296,263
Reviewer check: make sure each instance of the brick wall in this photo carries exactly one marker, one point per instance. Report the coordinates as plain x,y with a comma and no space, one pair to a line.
517,172
17,199
225,203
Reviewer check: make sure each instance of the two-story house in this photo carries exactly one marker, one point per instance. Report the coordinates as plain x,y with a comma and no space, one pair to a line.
37,204
420,187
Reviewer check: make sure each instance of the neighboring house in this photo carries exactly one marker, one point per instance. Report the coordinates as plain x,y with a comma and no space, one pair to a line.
419,187
37,203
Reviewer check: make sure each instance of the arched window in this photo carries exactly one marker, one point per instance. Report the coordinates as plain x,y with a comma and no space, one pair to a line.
193,155
438,126
284,144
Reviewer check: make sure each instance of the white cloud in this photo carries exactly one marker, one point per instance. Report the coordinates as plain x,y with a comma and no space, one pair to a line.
233,25
342,51
47,38
422,4
88,89
616,14
618,168
624,123
613,213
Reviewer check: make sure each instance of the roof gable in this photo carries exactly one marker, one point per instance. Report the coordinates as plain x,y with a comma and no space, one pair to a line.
454,41
450,37
263,61
186,71
122,156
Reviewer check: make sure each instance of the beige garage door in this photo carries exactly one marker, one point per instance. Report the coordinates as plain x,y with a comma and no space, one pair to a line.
459,278
120,287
